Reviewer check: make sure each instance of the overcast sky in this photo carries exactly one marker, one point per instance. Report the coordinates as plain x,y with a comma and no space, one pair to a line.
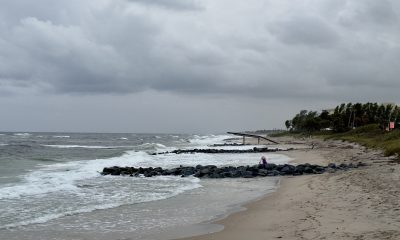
197,66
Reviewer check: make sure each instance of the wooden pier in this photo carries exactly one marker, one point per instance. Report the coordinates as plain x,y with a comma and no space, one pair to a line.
244,135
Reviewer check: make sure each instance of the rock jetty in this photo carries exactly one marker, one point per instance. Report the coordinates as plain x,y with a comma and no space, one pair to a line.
212,171
213,151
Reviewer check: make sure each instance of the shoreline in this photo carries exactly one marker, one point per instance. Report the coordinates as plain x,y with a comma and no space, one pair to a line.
357,204
214,225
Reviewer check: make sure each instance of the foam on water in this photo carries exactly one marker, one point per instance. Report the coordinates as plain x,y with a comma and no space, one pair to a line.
205,141
69,188
82,146
61,176
22,134
155,147
61,136
80,184
90,197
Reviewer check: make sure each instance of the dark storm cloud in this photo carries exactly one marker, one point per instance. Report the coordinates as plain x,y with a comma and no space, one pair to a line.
268,49
305,30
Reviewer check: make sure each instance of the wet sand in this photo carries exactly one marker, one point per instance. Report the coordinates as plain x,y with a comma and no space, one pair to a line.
358,204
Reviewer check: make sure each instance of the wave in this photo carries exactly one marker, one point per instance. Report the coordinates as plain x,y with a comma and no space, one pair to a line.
22,134
55,190
206,140
155,147
61,136
63,176
49,217
113,202
3,144
45,160
83,146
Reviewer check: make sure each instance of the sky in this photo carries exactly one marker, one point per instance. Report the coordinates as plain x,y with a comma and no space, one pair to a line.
191,66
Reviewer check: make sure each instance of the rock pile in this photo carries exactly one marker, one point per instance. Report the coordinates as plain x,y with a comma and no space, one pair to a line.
212,151
211,171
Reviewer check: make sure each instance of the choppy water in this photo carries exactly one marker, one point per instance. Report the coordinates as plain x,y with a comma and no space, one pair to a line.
50,186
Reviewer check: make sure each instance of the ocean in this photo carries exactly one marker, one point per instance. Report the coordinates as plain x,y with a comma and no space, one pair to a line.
51,186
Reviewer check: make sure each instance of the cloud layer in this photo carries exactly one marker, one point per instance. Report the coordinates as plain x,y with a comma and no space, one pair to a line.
191,65
269,49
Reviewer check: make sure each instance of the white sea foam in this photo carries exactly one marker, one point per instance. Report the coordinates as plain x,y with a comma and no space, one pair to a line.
62,136
3,144
62,176
123,138
205,141
166,187
73,187
157,147
49,217
82,146
80,185
22,134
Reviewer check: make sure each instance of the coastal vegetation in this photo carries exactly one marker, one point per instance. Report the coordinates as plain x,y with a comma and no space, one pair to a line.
371,124
345,117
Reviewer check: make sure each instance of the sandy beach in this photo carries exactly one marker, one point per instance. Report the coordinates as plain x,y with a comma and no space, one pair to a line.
357,204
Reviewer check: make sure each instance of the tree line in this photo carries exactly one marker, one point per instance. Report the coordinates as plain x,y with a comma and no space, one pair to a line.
345,117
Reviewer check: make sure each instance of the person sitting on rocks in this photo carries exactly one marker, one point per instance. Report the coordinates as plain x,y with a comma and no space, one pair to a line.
263,161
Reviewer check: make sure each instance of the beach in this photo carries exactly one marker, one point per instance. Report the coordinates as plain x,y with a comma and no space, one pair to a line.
361,203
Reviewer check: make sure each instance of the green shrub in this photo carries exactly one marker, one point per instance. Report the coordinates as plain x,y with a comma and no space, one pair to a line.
392,148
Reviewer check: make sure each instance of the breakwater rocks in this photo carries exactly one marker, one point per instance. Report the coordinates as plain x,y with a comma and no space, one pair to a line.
229,145
211,171
213,151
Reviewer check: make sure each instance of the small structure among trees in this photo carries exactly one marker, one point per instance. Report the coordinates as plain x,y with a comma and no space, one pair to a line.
345,117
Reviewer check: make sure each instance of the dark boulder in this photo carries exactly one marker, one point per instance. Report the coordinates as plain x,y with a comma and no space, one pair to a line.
287,169
332,165
247,174
263,173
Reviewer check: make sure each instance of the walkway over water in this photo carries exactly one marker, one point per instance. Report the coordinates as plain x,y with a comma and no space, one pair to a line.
244,135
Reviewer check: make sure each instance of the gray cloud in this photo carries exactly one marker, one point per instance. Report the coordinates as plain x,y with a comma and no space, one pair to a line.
260,49
178,65
363,14
305,30
171,4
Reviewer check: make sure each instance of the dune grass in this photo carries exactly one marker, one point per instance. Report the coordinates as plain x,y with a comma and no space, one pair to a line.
372,136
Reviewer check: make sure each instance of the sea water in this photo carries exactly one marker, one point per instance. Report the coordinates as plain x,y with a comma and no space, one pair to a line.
51,187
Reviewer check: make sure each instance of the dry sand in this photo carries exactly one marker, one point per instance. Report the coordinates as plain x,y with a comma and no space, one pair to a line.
360,204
